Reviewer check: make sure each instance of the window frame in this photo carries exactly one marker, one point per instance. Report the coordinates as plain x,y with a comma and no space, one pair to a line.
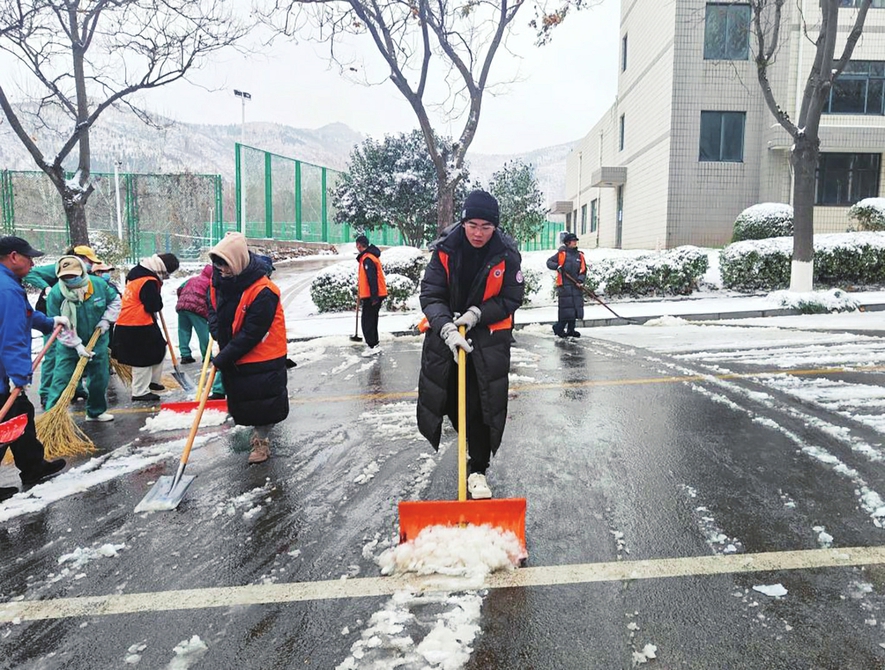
721,114
622,130
730,14
624,53
855,178
594,215
848,4
870,79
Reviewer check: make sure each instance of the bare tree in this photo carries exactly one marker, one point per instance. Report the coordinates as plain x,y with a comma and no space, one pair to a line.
424,43
767,18
88,55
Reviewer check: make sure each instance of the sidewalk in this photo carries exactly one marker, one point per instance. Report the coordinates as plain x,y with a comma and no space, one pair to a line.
706,307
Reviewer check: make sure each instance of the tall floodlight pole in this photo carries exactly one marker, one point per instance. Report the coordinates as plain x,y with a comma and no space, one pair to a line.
580,184
117,164
243,96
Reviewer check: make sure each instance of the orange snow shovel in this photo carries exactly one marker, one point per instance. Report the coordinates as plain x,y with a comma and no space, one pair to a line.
504,514
168,491
13,429
190,405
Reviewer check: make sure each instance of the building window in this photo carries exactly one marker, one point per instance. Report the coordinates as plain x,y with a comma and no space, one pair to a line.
843,179
568,221
727,32
876,4
624,53
594,214
621,134
722,136
583,219
860,89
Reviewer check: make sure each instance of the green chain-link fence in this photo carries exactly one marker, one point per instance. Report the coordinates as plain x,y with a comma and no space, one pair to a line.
287,199
547,238
177,213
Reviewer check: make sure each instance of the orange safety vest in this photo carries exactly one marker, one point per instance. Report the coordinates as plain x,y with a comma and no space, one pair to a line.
494,284
132,312
561,261
364,290
273,345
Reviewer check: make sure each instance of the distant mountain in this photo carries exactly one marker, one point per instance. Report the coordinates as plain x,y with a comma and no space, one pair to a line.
179,147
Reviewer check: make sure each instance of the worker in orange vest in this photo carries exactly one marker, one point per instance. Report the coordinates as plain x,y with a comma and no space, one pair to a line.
474,279
138,340
372,290
246,319
571,271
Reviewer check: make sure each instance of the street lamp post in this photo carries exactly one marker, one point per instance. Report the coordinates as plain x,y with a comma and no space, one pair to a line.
243,96
117,164
580,184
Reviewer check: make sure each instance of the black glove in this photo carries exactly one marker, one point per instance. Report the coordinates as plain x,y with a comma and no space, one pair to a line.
376,302
222,362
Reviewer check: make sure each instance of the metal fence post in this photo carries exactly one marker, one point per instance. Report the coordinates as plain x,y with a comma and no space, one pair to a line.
298,200
238,160
218,224
325,214
268,195
6,202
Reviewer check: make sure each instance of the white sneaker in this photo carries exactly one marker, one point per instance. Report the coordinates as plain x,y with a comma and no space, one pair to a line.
103,418
371,351
478,487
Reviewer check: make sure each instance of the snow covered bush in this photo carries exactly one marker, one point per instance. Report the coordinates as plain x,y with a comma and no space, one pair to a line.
407,261
532,282
759,222
108,247
868,214
819,302
399,289
334,288
673,272
841,258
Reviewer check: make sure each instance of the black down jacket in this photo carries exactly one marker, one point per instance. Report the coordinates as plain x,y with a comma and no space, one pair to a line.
491,350
571,297
142,346
256,392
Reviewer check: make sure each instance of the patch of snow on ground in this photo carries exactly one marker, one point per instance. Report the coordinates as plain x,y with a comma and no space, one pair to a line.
81,556
133,654
166,419
187,653
472,551
247,500
648,652
771,590
666,321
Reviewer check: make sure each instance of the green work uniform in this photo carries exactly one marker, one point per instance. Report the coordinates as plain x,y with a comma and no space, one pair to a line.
43,277
89,313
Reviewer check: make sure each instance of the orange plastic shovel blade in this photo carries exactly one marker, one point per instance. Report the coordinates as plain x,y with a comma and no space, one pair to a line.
13,429
504,514
191,405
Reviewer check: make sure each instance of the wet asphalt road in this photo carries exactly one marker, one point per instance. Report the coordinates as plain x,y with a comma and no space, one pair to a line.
618,459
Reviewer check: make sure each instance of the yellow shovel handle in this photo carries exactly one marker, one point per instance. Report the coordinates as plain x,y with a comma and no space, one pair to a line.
205,369
462,420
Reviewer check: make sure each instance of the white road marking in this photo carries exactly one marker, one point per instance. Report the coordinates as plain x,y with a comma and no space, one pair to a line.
162,601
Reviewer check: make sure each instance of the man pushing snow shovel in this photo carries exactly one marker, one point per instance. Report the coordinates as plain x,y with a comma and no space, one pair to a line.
473,280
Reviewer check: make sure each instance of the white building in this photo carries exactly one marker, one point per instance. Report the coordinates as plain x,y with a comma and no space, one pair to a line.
689,142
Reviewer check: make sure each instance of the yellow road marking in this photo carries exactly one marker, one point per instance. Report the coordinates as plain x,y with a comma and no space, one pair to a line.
263,594
673,379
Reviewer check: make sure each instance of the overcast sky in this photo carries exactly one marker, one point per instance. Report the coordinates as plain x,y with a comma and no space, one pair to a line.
562,91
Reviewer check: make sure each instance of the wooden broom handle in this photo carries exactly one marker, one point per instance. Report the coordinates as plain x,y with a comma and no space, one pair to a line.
17,390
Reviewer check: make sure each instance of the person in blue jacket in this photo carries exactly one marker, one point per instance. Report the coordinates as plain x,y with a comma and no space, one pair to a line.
17,318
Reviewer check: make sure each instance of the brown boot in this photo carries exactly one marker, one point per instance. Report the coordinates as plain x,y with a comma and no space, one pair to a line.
260,450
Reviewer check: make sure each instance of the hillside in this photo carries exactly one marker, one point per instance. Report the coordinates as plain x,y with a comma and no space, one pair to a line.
179,147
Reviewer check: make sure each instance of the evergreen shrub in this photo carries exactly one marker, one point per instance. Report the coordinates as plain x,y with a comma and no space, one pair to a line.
759,222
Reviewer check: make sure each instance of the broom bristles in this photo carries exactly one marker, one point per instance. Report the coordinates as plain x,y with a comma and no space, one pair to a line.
124,372
56,429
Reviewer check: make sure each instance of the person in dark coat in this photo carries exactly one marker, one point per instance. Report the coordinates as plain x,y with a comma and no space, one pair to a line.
193,311
372,288
138,340
246,319
570,265
474,279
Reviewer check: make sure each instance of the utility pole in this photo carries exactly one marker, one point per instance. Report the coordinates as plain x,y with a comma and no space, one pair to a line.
243,96
580,184
117,164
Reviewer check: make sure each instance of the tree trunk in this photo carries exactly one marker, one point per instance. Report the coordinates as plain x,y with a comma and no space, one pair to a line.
804,161
75,210
445,210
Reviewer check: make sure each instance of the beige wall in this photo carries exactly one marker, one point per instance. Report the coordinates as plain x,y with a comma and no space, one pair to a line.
671,197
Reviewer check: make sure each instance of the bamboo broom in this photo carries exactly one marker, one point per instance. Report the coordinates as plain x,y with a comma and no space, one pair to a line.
56,428
123,372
